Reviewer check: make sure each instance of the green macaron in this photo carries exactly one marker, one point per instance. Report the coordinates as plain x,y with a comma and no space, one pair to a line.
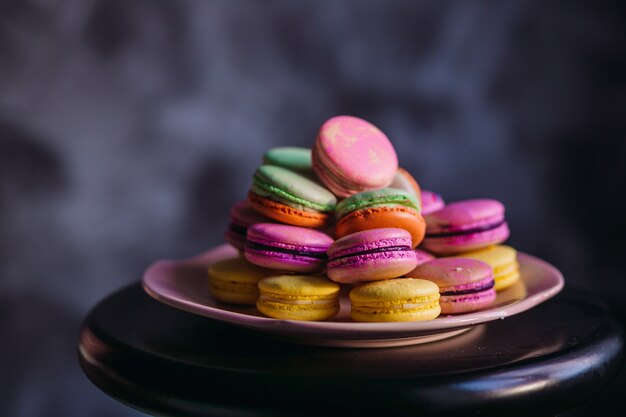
293,158
292,189
385,197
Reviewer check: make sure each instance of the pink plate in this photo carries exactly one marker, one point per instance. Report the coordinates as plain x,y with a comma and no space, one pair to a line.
183,285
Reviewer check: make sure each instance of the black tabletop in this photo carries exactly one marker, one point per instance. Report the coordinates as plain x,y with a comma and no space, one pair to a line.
168,362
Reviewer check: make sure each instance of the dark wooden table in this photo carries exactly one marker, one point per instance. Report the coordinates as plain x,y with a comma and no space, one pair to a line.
168,362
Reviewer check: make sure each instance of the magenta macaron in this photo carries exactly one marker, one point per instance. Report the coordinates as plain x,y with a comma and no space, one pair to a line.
287,248
431,202
465,225
465,285
371,255
242,216
352,155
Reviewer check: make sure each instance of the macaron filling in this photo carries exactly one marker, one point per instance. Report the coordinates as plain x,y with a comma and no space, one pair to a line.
482,287
260,247
327,301
477,229
402,248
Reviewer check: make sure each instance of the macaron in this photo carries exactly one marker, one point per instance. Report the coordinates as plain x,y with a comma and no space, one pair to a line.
405,181
242,216
287,248
465,285
371,255
291,198
290,157
235,280
387,207
422,257
465,226
298,297
352,155
503,260
400,299
431,202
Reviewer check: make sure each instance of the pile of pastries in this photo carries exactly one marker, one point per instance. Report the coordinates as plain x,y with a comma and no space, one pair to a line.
344,214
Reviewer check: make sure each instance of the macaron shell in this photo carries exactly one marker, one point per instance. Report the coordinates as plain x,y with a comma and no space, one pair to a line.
431,202
351,155
293,189
468,302
426,314
299,286
290,157
235,280
403,180
454,273
464,215
422,257
466,242
289,237
286,312
286,262
497,256
383,217
372,267
506,280
289,215
242,214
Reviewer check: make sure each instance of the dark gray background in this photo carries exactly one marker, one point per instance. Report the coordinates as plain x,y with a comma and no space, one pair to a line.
128,128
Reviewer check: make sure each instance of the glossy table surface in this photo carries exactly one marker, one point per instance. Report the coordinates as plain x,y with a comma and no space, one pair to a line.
168,362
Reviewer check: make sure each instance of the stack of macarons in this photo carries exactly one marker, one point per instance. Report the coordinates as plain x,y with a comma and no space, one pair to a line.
343,213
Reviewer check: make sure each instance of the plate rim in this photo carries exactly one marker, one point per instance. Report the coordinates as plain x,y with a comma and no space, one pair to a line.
440,324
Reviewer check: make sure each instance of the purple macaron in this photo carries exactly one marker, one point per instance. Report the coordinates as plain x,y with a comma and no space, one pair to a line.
287,248
465,285
464,226
371,255
242,216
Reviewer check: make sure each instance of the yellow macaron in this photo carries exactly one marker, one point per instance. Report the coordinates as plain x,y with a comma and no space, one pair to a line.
235,280
400,299
503,260
298,297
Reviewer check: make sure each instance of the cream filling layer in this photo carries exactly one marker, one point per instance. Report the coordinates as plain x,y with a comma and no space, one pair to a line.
299,302
413,304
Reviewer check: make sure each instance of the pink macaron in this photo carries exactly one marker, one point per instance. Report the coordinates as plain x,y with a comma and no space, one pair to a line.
422,257
371,255
464,226
465,285
352,155
431,202
242,216
287,248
